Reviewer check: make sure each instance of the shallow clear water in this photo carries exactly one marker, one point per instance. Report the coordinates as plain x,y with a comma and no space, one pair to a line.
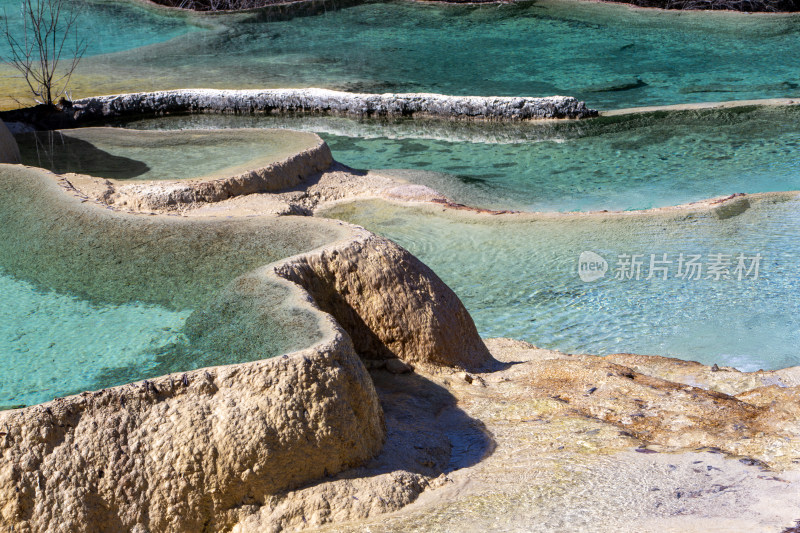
520,279
636,162
107,26
47,338
611,56
91,299
125,154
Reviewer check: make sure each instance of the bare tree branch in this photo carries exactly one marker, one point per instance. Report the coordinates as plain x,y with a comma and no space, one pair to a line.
219,5
769,6
49,34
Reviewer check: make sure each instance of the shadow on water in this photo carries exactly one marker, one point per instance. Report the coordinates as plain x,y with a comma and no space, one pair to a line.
61,153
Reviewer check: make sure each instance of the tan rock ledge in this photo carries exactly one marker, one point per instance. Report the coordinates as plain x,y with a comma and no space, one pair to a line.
147,170
481,436
198,450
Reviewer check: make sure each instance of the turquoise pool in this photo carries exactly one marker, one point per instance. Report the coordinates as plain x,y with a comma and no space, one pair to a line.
634,162
91,299
47,338
519,279
108,27
609,55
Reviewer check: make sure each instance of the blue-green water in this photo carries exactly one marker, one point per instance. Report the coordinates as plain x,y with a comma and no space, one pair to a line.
609,55
91,299
65,283
107,27
631,166
519,278
47,338
636,162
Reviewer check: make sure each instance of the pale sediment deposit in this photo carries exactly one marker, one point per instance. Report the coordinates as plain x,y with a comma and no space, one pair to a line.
585,443
324,101
397,416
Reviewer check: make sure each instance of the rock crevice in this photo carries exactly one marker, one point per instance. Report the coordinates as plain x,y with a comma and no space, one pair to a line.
392,305
200,450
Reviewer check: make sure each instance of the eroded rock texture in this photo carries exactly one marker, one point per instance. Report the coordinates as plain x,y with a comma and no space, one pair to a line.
325,101
187,452
391,303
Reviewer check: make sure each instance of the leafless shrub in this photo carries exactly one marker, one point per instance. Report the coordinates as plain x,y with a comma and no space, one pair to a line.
218,5
48,49
769,6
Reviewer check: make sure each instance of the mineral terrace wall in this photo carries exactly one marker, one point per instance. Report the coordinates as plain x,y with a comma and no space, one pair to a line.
277,176
200,450
323,101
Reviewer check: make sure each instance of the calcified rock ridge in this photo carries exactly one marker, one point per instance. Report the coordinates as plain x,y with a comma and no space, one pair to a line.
202,450
194,451
272,177
478,442
325,101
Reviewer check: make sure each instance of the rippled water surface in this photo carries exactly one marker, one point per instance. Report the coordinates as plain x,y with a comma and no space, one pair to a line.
91,299
637,162
520,280
609,55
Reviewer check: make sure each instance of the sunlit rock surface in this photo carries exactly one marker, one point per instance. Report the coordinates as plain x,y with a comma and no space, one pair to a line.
330,102
196,449
558,464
